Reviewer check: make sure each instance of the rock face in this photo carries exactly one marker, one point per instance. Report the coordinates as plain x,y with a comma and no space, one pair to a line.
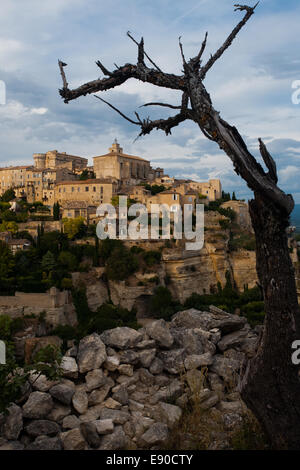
127,389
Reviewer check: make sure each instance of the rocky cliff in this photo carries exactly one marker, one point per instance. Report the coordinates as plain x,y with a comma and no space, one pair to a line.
129,389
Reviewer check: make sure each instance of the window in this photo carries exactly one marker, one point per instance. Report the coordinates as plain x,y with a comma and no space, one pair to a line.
94,189
175,197
101,189
72,189
86,189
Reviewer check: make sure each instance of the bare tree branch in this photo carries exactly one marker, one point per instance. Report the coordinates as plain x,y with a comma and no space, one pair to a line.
149,58
103,69
161,104
120,76
197,60
117,110
231,37
63,75
270,163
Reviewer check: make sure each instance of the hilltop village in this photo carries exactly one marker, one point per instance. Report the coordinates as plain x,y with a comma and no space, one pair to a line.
79,189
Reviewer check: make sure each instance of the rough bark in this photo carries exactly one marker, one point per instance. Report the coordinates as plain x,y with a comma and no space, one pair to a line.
270,384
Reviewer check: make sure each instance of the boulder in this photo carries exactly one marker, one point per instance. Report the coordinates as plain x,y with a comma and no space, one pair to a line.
157,434
117,416
146,357
98,396
224,321
169,414
121,337
112,363
38,405
62,393
121,395
70,422
13,424
69,367
95,379
59,412
80,401
89,432
40,382
173,360
114,441
45,443
42,427
104,426
159,331
194,361
91,353
73,440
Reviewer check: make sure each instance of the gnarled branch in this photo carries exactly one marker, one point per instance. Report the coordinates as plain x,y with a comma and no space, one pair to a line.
228,42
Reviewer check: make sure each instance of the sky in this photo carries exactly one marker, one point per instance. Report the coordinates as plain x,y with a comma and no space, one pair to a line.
251,85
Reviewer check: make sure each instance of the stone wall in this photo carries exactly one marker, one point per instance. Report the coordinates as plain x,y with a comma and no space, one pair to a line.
57,305
127,389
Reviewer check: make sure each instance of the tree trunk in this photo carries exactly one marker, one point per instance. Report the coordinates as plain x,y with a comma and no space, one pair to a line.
271,386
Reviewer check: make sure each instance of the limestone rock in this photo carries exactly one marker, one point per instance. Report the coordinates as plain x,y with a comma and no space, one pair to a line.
62,393
59,412
80,401
112,363
13,424
91,353
73,440
170,414
126,369
117,416
69,367
157,434
121,395
70,422
112,404
89,432
38,405
42,427
98,396
121,337
114,441
173,360
45,443
194,361
159,331
40,382
232,340
146,357
157,366
104,426
95,379
193,318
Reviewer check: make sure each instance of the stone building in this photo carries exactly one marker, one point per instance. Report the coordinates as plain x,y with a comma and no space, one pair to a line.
241,209
74,209
127,169
54,159
212,189
94,192
12,177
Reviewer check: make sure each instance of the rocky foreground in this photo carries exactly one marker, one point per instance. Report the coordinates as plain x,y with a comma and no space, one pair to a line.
128,389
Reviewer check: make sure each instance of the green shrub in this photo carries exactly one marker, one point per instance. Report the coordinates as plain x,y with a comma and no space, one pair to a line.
151,257
121,264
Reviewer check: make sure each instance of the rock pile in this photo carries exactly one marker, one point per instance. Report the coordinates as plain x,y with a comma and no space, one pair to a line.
127,389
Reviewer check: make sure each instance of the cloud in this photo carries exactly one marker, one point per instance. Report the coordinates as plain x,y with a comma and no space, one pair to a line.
250,85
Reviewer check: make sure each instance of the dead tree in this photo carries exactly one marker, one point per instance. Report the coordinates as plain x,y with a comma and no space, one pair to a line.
270,384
